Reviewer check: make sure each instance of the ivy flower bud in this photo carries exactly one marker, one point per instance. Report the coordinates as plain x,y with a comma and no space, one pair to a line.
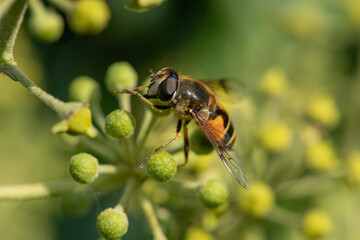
213,193
161,166
89,17
274,82
276,137
46,25
317,224
83,168
198,234
258,201
199,143
112,223
321,156
353,169
119,76
76,204
84,89
119,124
77,122
323,110
142,5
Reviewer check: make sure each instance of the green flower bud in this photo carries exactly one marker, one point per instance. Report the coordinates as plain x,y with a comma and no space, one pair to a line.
119,124
213,193
317,224
46,25
76,204
89,17
83,168
112,223
198,234
199,143
161,166
119,76
84,89
142,5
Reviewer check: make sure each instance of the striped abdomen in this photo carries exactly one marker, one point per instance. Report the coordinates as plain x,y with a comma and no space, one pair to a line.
222,126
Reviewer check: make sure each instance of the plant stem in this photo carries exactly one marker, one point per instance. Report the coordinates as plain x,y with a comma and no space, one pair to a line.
108,169
37,190
60,107
129,189
64,5
284,217
150,214
10,23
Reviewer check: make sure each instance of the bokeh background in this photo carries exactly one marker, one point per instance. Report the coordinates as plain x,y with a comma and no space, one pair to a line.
298,126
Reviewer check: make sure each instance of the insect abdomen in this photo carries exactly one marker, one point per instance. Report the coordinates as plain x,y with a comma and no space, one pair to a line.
223,127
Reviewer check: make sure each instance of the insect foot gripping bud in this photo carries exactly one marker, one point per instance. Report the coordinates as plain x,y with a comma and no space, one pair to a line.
200,144
161,166
89,17
213,193
83,168
112,223
119,76
317,224
46,25
119,124
84,89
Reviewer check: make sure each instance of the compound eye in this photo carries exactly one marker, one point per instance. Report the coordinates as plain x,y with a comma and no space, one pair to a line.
167,88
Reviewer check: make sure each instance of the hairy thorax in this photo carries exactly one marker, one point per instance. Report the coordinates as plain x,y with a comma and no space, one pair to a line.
191,96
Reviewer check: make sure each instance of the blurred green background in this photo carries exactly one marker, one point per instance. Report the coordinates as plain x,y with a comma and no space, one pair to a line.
313,47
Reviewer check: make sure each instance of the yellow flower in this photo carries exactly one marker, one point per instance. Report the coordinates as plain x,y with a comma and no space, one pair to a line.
305,20
257,201
353,10
323,110
276,137
317,224
353,169
198,234
274,81
321,156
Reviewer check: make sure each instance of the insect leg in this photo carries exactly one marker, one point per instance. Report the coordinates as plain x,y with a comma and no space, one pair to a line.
186,145
177,134
143,98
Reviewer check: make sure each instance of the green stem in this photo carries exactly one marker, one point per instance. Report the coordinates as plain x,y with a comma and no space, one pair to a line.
129,189
37,7
142,140
300,188
284,217
10,23
60,107
98,115
108,144
35,191
108,169
150,214
124,101
64,5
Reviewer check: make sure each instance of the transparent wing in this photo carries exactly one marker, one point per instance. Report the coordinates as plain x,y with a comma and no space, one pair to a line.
229,156
228,88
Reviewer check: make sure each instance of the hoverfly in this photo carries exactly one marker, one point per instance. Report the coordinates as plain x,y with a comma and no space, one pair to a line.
194,100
